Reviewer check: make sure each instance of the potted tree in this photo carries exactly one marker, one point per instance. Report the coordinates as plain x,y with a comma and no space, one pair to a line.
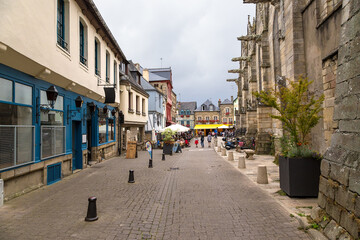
299,166
168,140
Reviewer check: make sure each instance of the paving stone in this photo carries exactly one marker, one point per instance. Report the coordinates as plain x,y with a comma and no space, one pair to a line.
205,198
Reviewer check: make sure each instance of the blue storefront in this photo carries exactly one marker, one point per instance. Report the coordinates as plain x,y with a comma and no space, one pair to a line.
33,132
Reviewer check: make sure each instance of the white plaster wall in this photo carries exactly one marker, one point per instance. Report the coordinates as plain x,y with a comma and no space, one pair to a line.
124,105
29,27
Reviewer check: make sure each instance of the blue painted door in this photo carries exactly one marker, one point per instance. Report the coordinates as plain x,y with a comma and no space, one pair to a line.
76,145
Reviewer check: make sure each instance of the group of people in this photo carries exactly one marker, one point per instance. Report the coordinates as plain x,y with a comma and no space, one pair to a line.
202,139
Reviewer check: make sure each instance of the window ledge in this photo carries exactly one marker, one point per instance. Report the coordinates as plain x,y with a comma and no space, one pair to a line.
65,52
83,66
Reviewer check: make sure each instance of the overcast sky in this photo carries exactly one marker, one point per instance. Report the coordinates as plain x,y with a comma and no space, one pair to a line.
196,38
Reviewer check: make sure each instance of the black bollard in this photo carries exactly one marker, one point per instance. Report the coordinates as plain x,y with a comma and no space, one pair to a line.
171,153
91,212
163,157
150,163
131,176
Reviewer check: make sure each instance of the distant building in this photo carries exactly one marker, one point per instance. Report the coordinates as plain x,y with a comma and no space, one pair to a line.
161,79
186,114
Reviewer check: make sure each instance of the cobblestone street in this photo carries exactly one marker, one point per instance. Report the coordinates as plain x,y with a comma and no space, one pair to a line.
191,195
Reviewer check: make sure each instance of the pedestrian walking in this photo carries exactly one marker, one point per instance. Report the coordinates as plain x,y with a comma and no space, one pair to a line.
196,141
202,140
209,139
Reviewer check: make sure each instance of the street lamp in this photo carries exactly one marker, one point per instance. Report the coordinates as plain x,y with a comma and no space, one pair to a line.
51,95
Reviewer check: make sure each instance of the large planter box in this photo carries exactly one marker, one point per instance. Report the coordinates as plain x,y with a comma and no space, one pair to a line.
299,177
167,148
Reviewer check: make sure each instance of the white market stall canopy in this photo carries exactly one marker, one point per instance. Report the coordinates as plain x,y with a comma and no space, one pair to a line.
176,128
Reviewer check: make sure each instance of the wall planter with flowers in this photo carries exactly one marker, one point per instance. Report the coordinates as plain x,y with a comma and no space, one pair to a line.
299,166
168,138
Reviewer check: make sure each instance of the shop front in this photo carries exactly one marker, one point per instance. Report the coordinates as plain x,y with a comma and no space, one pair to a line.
44,138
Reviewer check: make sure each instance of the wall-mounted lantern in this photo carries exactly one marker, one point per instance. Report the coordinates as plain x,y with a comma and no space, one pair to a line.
78,102
92,107
51,95
128,87
105,109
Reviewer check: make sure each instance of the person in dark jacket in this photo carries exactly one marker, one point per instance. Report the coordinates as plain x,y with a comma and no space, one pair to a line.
202,140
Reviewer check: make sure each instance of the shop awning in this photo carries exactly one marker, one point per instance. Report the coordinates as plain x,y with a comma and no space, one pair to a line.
209,126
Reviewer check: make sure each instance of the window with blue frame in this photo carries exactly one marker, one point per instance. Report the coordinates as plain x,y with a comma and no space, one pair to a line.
182,112
83,42
17,143
62,38
115,73
107,67
106,126
187,122
97,57
52,127
187,112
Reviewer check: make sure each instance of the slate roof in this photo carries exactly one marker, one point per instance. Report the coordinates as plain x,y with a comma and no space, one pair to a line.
226,101
132,79
207,103
187,106
160,74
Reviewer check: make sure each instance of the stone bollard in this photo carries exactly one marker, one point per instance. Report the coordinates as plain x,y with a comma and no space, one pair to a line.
262,177
91,212
215,142
1,192
241,163
219,149
223,151
230,156
131,176
250,154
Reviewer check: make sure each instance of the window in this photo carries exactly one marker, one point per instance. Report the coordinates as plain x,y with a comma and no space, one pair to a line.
107,67
230,120
62,25
115,73
188,112
52,129
203,107
160,100
182,122
106,126
207,118
199,118
182,112
16,131
215,118
137,105
187,122
130,101
143,107
224,120
156,85
211,107
227,110
97,57
83,42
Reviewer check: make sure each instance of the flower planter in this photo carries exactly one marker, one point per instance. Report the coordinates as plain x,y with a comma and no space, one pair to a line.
299,177
167,148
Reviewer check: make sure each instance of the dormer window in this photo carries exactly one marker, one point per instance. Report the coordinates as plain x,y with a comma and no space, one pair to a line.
211,107
203,107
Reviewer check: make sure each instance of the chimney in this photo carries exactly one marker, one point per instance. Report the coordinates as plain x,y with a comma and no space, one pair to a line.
232,99
219,102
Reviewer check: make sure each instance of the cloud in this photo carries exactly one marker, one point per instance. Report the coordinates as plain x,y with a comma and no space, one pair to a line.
197,39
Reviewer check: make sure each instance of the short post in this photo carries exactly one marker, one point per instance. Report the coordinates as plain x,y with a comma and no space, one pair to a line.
150,163
215,142
219,148
230,156
163,157
262,175
91,212
223,151
241,163
1,192
131,176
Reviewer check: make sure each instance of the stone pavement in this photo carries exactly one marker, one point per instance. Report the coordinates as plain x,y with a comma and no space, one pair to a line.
190,195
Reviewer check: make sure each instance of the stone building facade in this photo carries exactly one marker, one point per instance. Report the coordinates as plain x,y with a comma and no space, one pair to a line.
317,39
207,113
340,168
226,111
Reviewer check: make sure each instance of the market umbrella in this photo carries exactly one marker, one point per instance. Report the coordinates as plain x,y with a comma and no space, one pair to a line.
223,127
176,128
